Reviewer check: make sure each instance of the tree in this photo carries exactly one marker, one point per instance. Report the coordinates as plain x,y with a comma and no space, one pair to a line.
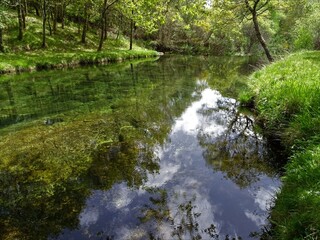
20,19
257,7
3,22
44,19
87,6
147,15
104,9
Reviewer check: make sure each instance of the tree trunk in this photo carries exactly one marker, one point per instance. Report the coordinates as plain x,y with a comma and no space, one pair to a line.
25,7
44,19
131,32
260,37
37,10
23,15
103,13
85,25
1,40
62,14
20,20
105,27
79,23
54,18
49,21
101,36
254,13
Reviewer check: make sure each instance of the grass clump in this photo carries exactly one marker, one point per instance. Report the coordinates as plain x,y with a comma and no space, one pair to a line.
296,213
287,101
287,97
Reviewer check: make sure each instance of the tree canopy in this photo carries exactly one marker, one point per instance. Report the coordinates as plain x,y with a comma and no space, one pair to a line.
199,26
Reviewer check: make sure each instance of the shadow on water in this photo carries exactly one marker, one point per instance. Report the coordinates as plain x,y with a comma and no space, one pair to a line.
132,151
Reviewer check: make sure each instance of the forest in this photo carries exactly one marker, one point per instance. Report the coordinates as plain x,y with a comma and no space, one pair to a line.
186,26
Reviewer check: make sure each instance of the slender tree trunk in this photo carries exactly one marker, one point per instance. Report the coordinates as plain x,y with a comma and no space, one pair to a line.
101,35
49,13
260,37
85,25
44,20
105,27
20,20
63,15
131,32
79,23
25,7
1,40
253,10
103,13
37,10
54,18
23,15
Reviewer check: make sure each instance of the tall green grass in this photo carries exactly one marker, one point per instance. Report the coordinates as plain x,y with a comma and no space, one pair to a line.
287,99
296,213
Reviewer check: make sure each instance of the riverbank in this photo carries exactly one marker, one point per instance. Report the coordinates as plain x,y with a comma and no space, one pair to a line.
65,47
14,63
287,100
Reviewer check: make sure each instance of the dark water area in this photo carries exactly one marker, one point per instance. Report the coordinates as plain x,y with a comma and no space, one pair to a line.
143,150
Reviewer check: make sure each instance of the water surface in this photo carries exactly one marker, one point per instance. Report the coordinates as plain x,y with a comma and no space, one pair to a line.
151,150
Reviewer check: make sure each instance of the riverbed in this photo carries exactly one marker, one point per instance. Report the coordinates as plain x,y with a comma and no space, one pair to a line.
156,149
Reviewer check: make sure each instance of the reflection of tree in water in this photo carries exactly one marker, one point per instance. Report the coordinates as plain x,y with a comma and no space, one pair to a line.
187,224
238,151
183,219
48,171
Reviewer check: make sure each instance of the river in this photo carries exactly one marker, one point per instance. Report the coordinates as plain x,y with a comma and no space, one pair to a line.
155,149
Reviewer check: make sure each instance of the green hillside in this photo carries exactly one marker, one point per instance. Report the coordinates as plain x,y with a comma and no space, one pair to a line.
63,47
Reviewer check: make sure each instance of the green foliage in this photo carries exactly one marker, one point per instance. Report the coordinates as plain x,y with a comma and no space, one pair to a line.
304,39
306,32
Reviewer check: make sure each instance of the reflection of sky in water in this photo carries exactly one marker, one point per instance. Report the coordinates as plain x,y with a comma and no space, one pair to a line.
187,179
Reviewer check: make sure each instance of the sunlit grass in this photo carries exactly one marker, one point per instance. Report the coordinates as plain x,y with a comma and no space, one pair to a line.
286,91
63,48
296,214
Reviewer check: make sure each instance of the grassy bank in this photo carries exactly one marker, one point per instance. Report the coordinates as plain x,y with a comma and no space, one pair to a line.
10,63
64,48
287,100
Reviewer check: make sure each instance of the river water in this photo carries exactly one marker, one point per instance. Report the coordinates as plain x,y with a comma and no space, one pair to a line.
144,150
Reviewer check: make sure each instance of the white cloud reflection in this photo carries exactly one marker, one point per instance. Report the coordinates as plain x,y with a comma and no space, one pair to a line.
191,121
166,173
263,198
183,176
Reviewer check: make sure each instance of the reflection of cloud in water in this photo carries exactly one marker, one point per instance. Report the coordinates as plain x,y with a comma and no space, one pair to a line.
263,198
190,191
89,216
121,196
132,233
193,193
257,219
191,120
166,173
